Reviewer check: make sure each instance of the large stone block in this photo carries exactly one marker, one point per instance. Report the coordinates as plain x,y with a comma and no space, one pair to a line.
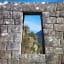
60,13
3,61
16,15
10,37
3,28
49,20
59,27
16,45
59,35
8,54
62,43
58,51
49,32
18,21
48,26
2,53
8,21
15,54
60,20
14,61
1,21
60,6
3,45
7,14
49,50
9,45
14,28
52,41
17,37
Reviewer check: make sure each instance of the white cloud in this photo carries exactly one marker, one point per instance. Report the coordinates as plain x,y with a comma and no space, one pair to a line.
33,26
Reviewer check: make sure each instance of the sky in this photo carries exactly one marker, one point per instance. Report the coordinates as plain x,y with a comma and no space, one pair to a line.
33,22
32,0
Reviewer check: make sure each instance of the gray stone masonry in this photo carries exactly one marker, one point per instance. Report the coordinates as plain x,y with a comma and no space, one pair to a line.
11,24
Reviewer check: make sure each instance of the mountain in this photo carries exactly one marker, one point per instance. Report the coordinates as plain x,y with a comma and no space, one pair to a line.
39,36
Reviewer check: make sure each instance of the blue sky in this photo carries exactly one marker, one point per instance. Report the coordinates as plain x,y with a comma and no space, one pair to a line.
32,0
33,22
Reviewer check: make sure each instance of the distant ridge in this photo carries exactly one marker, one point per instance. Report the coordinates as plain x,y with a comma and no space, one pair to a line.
39,36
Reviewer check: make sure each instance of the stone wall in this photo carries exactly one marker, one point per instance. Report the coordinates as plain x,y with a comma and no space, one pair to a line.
11,23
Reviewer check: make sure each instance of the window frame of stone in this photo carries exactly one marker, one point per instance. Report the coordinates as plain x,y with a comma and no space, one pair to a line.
41,16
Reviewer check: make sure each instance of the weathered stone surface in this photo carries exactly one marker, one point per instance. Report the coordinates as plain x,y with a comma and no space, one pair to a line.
3,28
2,53
9,45
51,41
49,50
16,15
49,32
59,27
3,45
59,35
49,20
9,21
62,43
48,26
58,51
15,54
8,54
14,28
7,14
60,6
1,21
61,13
60,20
10,40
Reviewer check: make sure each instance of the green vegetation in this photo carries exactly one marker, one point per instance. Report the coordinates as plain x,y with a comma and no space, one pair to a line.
30,43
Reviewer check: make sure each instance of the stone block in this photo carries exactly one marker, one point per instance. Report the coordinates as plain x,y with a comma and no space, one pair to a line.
15,54
49,50
3,38
2,45
59,27
45,15
49,32
8,54
14,28
14,61
8,21
60,6
17,6
51,20
2,53
9,61
58,51
62,43
60,20
17,37
60,13
3,28
9,45
3,61
51,7
48,26
18,21
7,14
1,21
16,15
59,35
10,36
16,45
51,41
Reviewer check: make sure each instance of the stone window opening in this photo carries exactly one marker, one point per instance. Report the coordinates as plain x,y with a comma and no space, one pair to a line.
42,34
